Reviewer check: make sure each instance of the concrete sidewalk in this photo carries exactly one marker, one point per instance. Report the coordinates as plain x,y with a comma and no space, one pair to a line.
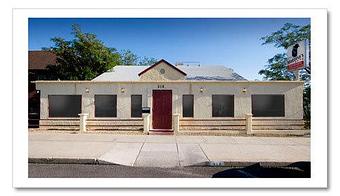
166,151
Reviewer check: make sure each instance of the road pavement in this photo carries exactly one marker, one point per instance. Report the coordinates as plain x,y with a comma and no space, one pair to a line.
301,170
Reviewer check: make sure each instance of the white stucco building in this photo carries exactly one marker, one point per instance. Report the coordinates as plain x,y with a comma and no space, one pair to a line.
189,99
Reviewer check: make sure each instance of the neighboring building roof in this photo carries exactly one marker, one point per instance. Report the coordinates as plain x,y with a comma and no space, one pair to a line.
162,61
130,73
212,72
40,59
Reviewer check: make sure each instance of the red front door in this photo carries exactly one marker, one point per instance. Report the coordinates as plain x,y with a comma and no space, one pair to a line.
162,109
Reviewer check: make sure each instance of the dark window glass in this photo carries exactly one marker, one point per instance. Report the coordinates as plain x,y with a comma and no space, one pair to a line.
105,105
64,105
223,105
136,105
188,106
268,105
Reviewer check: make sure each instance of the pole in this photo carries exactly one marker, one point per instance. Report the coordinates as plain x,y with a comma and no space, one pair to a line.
297,75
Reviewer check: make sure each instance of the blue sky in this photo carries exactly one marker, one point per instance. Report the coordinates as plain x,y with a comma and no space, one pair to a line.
231,42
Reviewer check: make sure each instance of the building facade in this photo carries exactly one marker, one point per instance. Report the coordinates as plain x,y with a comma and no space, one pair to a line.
206,100
37,70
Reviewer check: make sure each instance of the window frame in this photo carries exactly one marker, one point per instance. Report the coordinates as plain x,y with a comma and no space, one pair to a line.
49,105
193,105
141,104
233,106
116,109
275,116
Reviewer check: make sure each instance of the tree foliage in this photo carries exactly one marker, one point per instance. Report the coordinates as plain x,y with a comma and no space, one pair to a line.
86,57
147,61
276,69
82,58
306,105
287,35
127,57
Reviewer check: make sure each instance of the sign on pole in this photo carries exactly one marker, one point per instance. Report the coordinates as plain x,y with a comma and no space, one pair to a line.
298,55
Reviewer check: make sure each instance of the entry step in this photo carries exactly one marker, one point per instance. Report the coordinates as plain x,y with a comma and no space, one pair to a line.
161,132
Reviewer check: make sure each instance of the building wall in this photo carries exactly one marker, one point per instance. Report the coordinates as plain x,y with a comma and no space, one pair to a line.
293,92
170,73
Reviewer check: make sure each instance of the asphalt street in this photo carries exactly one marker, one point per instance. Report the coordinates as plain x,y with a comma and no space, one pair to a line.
298,170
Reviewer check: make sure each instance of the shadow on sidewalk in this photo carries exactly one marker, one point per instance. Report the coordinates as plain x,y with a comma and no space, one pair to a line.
294,170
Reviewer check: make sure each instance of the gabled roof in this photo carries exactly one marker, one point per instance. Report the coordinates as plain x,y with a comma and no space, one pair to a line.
162,61
41,59
194,73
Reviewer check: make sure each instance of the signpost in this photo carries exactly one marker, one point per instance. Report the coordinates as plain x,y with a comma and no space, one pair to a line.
298,57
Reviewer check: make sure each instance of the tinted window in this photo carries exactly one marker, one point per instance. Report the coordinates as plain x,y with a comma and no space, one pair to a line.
136,105
268,105
188,106
105,105
223,105
64,105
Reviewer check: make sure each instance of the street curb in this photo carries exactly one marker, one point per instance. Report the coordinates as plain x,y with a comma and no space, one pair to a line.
244,163
202,164
68,161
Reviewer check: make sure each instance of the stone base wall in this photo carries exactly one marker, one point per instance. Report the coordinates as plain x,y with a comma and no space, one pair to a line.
93,124
235,124
239,124
195,126
277,124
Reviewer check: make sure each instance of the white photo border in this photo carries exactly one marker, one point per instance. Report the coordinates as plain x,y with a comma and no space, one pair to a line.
319,130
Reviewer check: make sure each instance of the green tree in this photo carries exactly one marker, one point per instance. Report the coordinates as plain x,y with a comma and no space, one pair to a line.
276,69
127,57
147,61
82,58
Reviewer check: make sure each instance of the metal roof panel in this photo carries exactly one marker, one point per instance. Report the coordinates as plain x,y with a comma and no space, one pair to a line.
130,73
